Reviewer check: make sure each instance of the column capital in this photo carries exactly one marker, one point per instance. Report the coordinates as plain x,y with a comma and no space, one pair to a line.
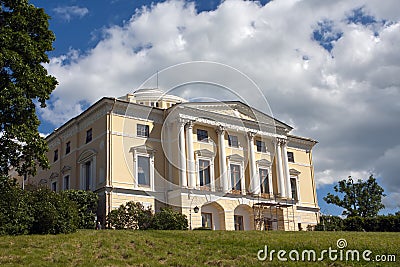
280,141
220,130
189,124
251,134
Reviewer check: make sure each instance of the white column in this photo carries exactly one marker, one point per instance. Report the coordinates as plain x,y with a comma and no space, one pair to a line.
254,180
191,164
281,181
222,159
286,168
168,139
182,154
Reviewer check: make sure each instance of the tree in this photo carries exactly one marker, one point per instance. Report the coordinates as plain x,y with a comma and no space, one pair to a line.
362,199
24,41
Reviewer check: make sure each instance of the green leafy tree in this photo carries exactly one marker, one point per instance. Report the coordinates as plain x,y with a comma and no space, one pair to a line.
86,202
363,198
24,40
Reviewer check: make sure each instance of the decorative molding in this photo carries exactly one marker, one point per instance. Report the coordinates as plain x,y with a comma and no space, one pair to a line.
235,157
264,162
87,154
294,172
143,149
65,169
54,176
205,153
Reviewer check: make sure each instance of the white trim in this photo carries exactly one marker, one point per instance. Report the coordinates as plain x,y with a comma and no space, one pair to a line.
150,156
242,177
212,176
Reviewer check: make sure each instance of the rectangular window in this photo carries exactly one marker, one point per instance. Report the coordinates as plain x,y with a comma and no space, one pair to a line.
67,148
55,155
261,146
54,186
143,172
206,220
238,223
66,182
293,185
202,135
88,135
88,174
235,177
233,141
290,156
204,172
264,183
142,130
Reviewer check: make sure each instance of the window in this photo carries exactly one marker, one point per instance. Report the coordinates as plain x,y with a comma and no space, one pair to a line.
142,130
290,156
264,183
204,172
88,174
238,223
88,135
235,177
152,104
143,171
293,185
261,146
55,155
54,186
67,148
157,104
202,135
206,220
233,141
66,182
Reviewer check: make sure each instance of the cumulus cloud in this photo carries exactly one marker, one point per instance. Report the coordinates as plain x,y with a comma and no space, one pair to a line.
69,12
328,68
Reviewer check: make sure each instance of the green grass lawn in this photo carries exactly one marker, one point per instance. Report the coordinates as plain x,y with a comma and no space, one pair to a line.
186,248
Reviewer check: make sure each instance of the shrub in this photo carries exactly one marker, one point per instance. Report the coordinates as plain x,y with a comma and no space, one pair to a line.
132,215
86,202
168,219
53,213
15,216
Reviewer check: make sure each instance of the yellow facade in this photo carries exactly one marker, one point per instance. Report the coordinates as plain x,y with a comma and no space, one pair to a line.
165,151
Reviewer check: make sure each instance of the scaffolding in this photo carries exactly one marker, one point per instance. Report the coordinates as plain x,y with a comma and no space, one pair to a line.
267,212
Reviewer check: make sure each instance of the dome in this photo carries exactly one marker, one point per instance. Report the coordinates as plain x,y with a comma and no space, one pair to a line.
153,97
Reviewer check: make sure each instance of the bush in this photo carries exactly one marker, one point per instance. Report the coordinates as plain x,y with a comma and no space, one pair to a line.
132,215
15,216
168,219
86,202
53,213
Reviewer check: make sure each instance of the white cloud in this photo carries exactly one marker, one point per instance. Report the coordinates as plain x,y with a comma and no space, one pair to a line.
68,12
346,99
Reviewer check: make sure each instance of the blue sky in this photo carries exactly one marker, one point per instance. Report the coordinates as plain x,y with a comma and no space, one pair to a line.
327,68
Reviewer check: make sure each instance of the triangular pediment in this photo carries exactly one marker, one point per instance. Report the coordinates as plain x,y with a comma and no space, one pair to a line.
233,110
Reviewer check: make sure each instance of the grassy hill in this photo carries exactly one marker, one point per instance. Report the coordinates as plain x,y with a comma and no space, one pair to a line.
189,248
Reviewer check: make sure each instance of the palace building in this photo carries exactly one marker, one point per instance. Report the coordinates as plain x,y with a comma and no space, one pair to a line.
225,165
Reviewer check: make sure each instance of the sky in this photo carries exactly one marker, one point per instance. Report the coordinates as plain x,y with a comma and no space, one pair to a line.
330,69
